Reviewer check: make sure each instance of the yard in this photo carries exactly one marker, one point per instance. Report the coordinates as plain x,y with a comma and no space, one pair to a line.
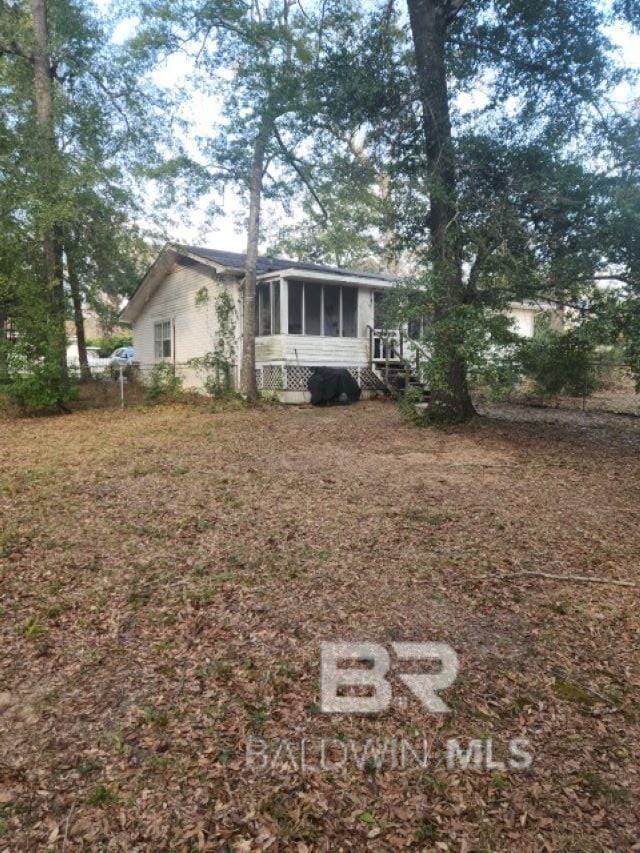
168,575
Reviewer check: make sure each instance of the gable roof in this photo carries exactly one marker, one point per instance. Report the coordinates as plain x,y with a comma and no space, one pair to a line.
232,263
266,263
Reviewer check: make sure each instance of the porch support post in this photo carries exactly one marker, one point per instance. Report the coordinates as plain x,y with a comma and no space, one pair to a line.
284,306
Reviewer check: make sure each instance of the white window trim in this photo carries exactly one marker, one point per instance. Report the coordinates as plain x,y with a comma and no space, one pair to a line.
162,339
272,309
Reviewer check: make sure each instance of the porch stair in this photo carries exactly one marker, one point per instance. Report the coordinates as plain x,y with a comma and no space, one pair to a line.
394,360
396,378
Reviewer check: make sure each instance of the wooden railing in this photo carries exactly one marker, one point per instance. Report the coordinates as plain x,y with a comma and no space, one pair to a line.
394,349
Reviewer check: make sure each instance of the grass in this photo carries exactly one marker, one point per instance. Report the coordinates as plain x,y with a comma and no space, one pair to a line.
163,597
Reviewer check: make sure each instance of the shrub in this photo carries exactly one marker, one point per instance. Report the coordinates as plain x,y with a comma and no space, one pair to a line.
164,383
216,372
560,362
38,381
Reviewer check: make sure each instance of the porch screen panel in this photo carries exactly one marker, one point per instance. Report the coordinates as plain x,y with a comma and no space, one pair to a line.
312,309
377,309
331,311
275,315
264,309
349,312
295,307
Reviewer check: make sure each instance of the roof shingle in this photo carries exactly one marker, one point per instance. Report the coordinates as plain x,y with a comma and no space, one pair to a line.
236,260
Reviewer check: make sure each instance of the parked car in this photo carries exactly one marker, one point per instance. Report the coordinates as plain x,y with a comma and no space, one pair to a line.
121,358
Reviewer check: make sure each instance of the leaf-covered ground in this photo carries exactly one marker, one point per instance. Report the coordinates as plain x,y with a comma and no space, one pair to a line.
168,575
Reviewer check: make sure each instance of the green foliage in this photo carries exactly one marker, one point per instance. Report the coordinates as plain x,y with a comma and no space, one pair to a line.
35,375
407,405
481,337
106,345
78,184
42,387
560,362
216,367
102,795
632,338
164,383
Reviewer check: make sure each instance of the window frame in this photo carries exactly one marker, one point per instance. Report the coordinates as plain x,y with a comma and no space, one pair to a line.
274,308
159,352
9,330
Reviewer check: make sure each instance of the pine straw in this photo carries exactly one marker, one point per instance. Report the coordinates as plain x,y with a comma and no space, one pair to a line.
168,575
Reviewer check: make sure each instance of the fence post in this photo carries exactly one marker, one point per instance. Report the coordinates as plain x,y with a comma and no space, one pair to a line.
121,388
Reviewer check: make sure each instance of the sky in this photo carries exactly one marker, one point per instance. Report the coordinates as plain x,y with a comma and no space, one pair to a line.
196,226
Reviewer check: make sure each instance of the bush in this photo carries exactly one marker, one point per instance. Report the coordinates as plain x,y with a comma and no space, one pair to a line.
37,380
560,362
164,383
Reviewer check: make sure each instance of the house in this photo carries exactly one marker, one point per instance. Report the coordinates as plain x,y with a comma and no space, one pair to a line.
307,315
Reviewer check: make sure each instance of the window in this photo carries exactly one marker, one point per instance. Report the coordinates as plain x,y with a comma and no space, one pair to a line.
162,339
268,308
313,309
323,309
9,331
332,312
264,309
295,307
378,305
349,312
417,327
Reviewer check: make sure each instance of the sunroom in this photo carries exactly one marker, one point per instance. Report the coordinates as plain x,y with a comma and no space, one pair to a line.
306,319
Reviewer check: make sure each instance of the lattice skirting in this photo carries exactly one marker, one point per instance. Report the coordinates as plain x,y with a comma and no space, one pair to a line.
271,378
294,378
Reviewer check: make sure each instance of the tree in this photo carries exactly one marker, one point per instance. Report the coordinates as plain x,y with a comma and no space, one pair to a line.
71,181
271,103
30,43
507,177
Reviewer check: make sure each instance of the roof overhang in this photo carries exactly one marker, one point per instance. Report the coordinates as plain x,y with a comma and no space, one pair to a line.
533,305
314,275
171,253
169,256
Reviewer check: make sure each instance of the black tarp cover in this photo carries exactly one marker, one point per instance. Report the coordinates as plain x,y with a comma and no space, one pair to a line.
333,385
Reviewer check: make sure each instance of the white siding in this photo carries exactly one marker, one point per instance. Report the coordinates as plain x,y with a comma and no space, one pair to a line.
195,324
523,320
329,352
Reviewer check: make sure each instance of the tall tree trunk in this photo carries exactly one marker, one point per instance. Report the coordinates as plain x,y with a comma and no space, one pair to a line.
248,384
78,316
51,245
4,345
451,399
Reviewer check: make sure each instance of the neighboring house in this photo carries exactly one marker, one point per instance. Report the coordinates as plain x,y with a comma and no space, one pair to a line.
93,358
308,315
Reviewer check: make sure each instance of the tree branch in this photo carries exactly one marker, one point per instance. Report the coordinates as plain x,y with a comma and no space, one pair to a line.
14,49
569,578
454,8
293,161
